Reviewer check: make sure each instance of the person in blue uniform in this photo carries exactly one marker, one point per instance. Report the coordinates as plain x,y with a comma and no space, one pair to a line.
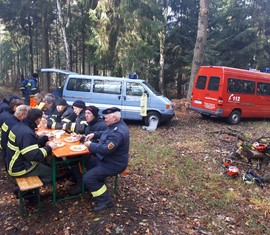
26,152
111,157
79,125
20,113
94,123
65,115
50,107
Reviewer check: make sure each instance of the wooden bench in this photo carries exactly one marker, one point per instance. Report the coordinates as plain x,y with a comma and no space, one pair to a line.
26,184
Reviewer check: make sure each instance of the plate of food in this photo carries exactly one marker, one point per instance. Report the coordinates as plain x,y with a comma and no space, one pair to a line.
59,144
42,133
58,132
70,139
78,148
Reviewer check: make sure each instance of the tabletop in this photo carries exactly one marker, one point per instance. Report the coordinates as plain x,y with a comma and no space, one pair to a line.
68,146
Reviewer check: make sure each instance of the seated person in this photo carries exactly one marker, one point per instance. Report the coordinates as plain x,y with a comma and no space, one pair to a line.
65,115
20,113
50,107
95,123
111,157
80,123
26,152
38,98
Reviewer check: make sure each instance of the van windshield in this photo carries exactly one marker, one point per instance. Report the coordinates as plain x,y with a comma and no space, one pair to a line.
151,88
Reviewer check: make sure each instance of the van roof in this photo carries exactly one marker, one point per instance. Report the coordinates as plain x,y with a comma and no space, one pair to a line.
73,74
104,77
53,70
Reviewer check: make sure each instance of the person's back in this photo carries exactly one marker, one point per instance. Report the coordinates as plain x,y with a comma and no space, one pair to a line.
24,155
19,115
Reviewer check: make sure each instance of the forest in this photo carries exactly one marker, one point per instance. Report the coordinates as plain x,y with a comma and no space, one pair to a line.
154,38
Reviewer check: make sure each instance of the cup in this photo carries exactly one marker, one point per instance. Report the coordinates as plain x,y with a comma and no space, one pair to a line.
58,135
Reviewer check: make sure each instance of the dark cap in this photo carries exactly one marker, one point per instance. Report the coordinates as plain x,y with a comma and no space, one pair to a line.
79,104
111,110
34,114
93,109
61,101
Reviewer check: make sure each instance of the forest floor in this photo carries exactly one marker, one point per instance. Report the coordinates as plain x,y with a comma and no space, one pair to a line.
187,193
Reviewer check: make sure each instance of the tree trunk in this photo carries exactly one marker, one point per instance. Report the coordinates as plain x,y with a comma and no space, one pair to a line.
162,47
200,43
45,81
63,30
31,56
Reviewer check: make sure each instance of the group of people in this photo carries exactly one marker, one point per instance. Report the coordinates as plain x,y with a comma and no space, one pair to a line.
24,152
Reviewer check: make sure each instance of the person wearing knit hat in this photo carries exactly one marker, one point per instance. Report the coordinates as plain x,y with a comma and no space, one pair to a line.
26,151
80,123
94,123
65,114
79,104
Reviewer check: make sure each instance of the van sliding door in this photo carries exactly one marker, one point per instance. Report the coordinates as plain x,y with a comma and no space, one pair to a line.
106,94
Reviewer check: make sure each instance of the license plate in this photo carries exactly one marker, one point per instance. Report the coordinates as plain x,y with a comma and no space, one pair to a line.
197,102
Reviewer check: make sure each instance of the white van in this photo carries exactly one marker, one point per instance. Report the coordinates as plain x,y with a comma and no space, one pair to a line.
124,93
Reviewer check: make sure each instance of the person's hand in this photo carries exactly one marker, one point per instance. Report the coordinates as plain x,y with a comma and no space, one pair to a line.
64,126
78,137
87,143
89,137
51,137
53,145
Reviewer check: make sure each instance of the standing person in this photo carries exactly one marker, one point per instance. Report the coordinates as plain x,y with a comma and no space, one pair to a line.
20,113
111,157
24,155
33,88
94,123
80,123
25,90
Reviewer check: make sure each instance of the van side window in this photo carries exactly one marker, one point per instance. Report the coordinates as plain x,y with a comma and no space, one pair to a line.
263,89
201,82
241,86
78,84
213,84
108,87
134,89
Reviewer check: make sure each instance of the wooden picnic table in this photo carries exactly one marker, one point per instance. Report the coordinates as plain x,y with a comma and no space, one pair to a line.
71,151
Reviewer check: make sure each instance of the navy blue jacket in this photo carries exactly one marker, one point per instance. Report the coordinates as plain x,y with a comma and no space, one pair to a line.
79,125
97,124
113,147
66,116
23,150
4,106
6,127
52,112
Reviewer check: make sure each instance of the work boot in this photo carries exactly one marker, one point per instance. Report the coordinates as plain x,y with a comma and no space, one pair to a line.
101,206
77,189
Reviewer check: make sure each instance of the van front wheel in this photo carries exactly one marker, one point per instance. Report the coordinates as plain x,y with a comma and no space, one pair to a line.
150,116
234,117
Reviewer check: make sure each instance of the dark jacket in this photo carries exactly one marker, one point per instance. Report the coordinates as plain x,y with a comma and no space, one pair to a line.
79,125
52,112
97,124
6,127
23,150
66,116
113,147
4,106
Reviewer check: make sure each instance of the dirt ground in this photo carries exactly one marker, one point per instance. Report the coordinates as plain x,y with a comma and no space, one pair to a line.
140,207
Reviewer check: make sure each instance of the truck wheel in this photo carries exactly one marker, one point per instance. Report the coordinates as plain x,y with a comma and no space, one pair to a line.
152,115
234,117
